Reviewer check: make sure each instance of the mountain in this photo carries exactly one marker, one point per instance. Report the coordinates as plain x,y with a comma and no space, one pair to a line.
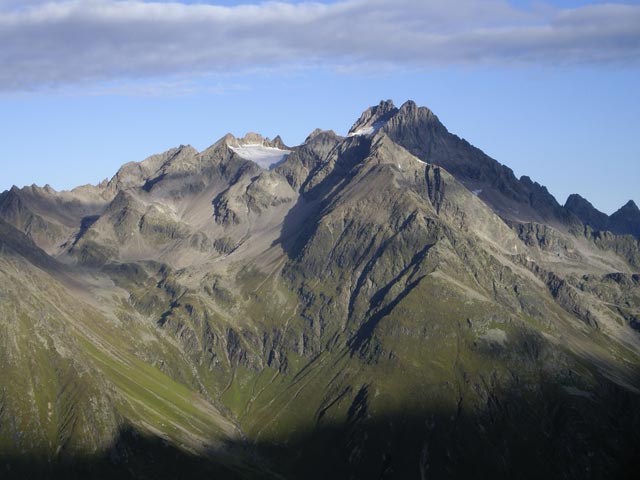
625,221
420,132
392,303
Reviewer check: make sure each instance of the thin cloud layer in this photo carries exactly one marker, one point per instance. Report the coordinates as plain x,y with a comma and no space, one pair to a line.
79,41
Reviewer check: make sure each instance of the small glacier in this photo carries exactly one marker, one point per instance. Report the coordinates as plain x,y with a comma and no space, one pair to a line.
265,157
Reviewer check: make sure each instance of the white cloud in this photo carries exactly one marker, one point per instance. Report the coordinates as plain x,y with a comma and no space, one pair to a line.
67,42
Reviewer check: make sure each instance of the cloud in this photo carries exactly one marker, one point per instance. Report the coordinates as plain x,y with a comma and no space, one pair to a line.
78,41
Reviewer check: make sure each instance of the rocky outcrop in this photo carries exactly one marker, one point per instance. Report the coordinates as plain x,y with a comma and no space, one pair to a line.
626,246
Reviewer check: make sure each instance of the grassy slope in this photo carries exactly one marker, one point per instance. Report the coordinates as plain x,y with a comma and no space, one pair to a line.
72,379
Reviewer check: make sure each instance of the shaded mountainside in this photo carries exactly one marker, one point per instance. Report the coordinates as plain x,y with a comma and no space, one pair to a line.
392,304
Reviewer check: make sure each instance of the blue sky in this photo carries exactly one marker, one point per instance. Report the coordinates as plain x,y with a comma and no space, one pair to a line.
547,88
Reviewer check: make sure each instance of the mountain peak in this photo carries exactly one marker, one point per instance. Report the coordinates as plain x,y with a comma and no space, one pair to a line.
577,202
409,105
575,198
319,132
411,109
373,119
385,106
626,220
630,206
252,138
586,212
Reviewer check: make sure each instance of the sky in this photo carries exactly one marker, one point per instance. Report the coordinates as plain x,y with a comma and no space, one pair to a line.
549,88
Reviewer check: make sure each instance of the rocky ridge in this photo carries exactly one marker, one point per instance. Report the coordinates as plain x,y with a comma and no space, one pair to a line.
625,221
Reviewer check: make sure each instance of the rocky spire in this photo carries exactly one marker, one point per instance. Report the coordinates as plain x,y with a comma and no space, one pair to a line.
373,118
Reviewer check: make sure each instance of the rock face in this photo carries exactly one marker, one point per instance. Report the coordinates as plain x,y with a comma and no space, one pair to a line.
389,304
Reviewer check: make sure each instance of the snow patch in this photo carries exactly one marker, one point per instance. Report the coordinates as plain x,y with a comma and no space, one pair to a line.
366,131
362,131
477,192
265,157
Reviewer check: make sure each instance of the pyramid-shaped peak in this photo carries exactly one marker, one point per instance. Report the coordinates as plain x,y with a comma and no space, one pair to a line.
11,196
629,208
576,200
626,220
576,197
586,212
319,133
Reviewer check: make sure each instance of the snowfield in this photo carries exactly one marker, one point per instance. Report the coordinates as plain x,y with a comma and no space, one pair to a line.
370,130
265,157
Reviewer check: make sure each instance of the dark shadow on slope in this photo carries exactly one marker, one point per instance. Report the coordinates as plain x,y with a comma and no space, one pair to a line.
149,184
363,335
301,222
134,455
521,432
85,224
499,429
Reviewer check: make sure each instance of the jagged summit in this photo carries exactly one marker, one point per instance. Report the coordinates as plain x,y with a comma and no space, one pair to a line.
373,119
252,138
387,114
